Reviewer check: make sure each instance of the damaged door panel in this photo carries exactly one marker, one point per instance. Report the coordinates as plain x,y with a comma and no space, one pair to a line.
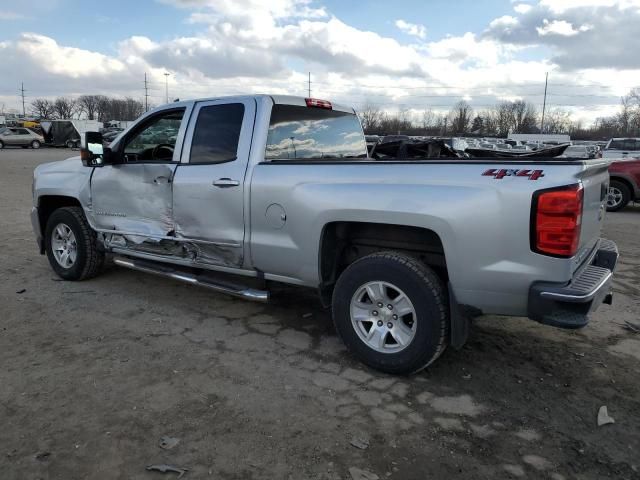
134,198
208,188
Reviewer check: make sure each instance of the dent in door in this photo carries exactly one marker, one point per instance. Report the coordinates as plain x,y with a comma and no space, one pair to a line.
124,196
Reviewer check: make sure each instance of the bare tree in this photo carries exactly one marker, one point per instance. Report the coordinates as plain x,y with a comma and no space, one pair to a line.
370,117
524,117
89,105
42,108
460,117
65,107
557,120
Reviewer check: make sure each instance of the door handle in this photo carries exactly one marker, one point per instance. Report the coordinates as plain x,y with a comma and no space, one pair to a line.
225,183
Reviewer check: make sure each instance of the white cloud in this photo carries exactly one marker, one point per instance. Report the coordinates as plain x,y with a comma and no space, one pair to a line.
414,29
561,6
560,27
522,8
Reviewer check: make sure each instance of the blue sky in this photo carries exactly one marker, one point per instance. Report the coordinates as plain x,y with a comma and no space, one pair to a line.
408,54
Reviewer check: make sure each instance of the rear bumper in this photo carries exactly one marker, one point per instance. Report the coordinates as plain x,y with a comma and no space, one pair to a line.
568,305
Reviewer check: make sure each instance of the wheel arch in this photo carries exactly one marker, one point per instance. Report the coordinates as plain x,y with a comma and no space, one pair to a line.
343,242
635,193
47,204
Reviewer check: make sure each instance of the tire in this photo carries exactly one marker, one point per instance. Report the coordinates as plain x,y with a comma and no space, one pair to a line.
88,259
618,197
395,273
35,144
1,144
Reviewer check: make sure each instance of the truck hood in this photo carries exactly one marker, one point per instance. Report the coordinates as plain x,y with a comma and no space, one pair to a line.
70,165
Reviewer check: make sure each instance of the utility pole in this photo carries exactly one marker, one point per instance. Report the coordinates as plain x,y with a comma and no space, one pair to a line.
146,93
544,102
309,84
166,85
22,95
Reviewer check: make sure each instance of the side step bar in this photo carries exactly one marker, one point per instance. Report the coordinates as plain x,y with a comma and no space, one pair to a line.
200,280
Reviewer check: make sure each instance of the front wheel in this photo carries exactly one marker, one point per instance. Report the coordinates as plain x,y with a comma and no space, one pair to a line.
71,245
618,196
1,144
392,312
35,144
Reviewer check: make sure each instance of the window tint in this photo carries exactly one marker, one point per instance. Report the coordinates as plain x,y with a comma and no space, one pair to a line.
22,131
217,132
313,133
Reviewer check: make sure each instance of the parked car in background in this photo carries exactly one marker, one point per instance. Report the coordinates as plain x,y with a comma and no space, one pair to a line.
578,151
622,148
624,184
20,137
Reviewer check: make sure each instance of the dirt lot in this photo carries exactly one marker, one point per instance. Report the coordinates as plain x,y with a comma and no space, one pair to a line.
95,373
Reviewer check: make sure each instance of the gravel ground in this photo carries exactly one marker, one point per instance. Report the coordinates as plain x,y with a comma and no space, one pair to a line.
95,373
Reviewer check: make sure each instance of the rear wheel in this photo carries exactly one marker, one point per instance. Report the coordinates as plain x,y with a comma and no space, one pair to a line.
71,245
618,196
35,144
391,311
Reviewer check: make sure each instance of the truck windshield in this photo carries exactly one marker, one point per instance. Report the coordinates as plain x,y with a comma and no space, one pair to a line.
299,133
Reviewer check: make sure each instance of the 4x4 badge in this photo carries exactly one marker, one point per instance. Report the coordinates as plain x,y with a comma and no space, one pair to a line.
503,172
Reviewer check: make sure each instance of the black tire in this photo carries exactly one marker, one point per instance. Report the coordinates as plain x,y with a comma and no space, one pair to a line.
35,144
624,191
425,291
89,258
1,144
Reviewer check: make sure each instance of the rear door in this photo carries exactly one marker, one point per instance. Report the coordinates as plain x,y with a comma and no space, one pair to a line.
209,184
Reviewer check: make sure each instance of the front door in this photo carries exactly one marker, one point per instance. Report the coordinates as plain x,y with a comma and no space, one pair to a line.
208,188
134,197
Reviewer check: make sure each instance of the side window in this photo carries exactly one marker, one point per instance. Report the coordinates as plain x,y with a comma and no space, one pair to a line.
635,145
22,131
217,132
156,140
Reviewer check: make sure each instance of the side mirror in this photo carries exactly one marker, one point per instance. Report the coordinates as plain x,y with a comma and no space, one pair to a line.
93,153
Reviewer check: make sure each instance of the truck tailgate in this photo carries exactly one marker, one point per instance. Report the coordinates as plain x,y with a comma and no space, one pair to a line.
595,181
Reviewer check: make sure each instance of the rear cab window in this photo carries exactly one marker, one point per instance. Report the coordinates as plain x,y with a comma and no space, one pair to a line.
309,133
624,144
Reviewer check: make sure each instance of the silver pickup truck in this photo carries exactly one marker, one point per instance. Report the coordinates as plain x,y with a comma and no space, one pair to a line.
236,193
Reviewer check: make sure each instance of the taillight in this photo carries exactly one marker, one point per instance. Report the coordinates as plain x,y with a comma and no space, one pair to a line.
556,217
314,102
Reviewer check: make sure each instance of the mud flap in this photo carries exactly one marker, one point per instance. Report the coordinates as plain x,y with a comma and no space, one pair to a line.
459,330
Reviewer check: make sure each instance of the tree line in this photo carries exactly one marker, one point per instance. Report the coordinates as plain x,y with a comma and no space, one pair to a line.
92,107
505,117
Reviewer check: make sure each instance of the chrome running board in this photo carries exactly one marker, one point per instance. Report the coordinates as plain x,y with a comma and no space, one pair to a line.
199,280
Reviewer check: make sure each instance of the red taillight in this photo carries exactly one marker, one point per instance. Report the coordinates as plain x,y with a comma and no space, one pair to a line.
557,214
314,102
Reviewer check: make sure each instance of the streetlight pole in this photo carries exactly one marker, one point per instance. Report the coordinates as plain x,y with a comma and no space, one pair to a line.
166,85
